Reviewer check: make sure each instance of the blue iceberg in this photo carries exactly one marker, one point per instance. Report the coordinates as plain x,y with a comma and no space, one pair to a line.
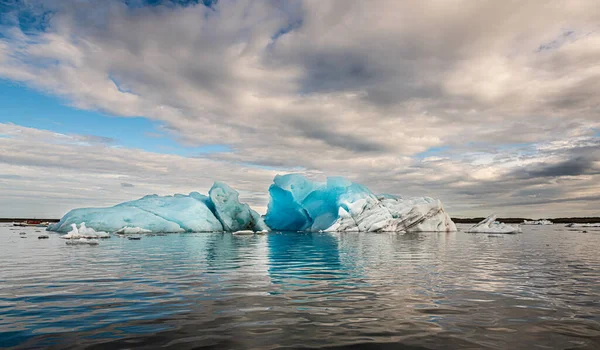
339,205
220,211
296,204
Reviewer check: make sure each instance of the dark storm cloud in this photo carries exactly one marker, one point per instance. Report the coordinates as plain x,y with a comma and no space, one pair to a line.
571,167
336,139
337,71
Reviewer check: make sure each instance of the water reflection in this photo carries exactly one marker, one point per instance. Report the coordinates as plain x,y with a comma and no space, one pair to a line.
451,290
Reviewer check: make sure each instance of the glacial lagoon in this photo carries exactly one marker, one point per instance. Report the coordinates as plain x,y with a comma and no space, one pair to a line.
303,290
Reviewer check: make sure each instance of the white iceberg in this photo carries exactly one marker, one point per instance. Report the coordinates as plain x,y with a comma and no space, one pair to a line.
597,224
340,205
179,213
490,225
84,232
244,232
537,222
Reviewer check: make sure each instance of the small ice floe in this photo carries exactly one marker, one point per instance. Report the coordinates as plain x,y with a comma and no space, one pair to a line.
490,225
244,232
82,241
134,238
597,224
537,222
84,232
132,231
43,236
102,235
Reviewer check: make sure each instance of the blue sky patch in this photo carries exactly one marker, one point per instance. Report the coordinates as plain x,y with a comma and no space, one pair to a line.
27,107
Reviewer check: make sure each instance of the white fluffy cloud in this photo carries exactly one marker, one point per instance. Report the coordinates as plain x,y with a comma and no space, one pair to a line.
350,88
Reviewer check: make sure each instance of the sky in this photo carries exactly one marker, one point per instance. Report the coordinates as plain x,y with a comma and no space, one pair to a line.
490,106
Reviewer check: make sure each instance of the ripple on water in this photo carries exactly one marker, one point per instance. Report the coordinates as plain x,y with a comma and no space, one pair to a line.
428,290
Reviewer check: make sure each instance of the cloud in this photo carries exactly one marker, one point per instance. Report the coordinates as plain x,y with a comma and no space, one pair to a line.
333,87
127,185
572,167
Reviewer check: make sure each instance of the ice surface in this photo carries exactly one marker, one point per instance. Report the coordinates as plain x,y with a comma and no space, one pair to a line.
178,213
490,225
340,205
234,216
537,222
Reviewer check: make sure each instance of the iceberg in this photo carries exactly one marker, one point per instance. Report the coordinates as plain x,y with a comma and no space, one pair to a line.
244,232
537,222
339,205
490,225
84,232
234,215
220,211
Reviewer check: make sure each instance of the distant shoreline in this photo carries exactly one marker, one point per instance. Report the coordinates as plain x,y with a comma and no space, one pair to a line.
576,220
27,219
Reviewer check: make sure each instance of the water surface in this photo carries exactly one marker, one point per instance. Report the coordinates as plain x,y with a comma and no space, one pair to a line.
538,289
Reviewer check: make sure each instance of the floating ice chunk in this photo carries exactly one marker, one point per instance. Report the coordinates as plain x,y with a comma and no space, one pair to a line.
84,232
234,215
537,222
244,232
132,231
82,241
490,225
340,205
583,225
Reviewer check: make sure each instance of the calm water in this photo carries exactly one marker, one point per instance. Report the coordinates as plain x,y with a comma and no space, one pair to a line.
539,289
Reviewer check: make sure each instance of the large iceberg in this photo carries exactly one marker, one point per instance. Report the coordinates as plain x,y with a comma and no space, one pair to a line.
298,204
490,225
220,211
